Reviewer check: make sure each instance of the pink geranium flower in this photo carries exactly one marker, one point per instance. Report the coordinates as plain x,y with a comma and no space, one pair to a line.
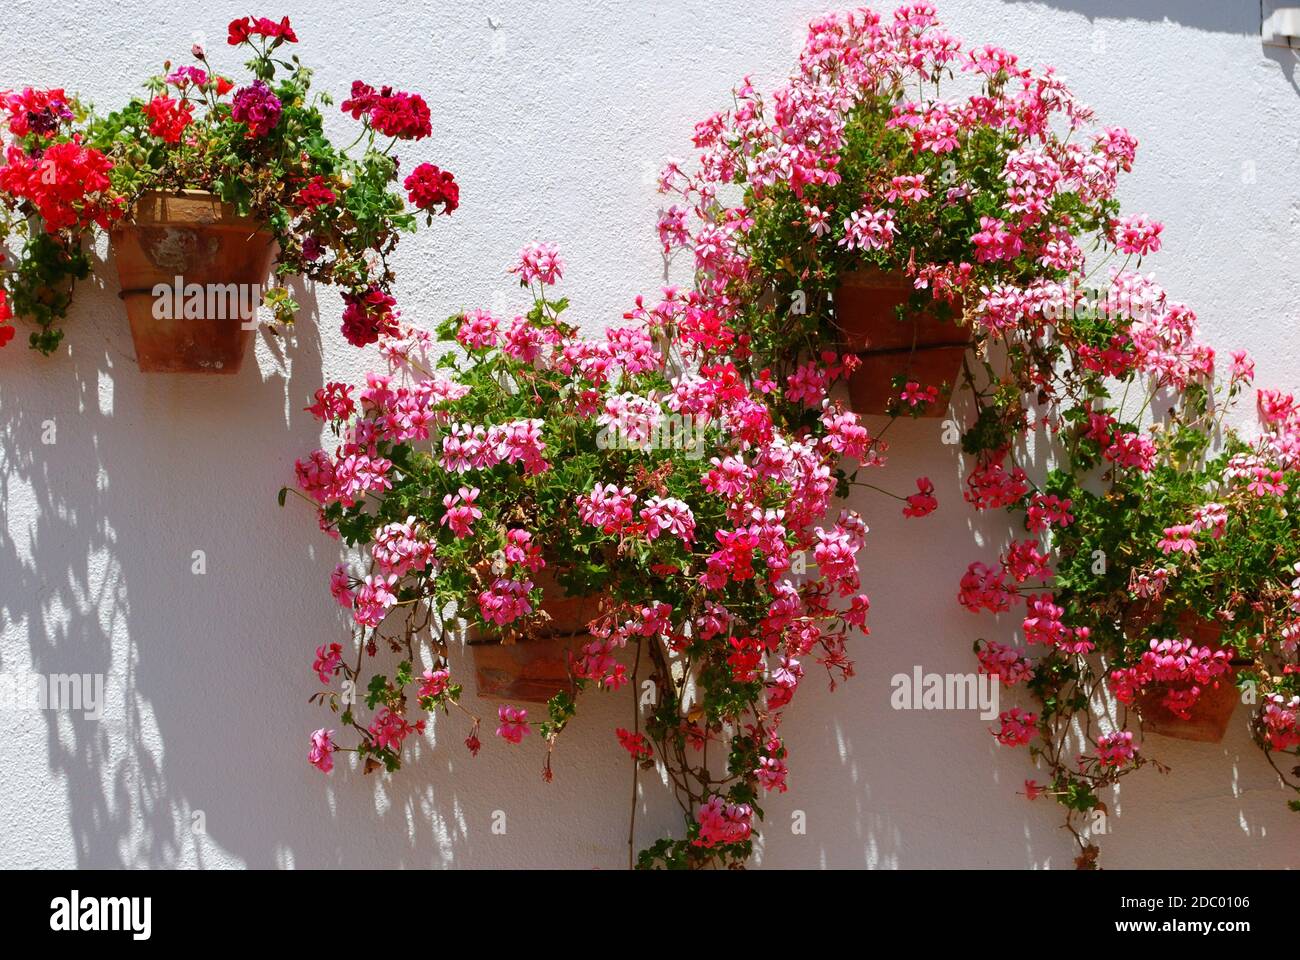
514,723
540,262
461,510
322,749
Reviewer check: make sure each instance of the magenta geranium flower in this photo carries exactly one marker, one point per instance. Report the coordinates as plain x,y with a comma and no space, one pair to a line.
257,107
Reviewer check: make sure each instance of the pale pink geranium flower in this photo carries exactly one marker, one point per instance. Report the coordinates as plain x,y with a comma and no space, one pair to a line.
1267,482
523,341
540,262
1044,625
771,774
868,229
520,441
1212,517
673,231
398,548
1017,727
1138,234
607,506
1179,539
721,822
990,60
389,729
1010,666
434,683
329,657
631,419
1116,749
995,241
505,601
322,749
729,477
1149,586
339,581
373,600
836,553
668,515
477,331
818,221
909,189
1243,367
1282,721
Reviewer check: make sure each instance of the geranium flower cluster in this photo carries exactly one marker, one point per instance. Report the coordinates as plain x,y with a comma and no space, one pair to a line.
1180,668
527,465
66,184
889,126
54,188
392,113
337,217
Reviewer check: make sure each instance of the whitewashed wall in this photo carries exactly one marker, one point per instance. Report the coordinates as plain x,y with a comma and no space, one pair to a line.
554,117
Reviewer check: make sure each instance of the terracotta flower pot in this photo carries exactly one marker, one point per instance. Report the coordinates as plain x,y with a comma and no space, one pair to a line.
1209,717
535,666
871,385
1207,720
927,348
191,271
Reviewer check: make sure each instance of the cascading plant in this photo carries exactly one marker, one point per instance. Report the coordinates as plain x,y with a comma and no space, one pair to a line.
528,464
1160,570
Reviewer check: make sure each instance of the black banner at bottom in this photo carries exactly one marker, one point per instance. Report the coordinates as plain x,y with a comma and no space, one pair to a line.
215,908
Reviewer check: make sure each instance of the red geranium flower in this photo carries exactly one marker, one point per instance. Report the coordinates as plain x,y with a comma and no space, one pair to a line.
246,27
168,118
635,744
427,186
35,111
6,332
67,184
367,316
315,194
390,112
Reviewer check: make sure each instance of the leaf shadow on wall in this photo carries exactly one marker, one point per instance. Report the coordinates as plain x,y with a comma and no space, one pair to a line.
100,558
145,544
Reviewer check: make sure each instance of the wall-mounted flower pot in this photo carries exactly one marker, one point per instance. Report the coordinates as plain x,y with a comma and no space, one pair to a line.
535,667
871,385
1208,718
926,348
191,271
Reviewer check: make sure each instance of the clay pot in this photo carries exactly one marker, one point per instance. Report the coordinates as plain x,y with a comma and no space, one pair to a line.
871,385
927,348
191,271
1208,718
1210,715
534,666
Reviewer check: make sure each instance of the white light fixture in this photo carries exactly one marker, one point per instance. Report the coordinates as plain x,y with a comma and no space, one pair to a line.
1282,28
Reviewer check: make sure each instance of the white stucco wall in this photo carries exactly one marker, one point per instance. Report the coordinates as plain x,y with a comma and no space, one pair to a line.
555,118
